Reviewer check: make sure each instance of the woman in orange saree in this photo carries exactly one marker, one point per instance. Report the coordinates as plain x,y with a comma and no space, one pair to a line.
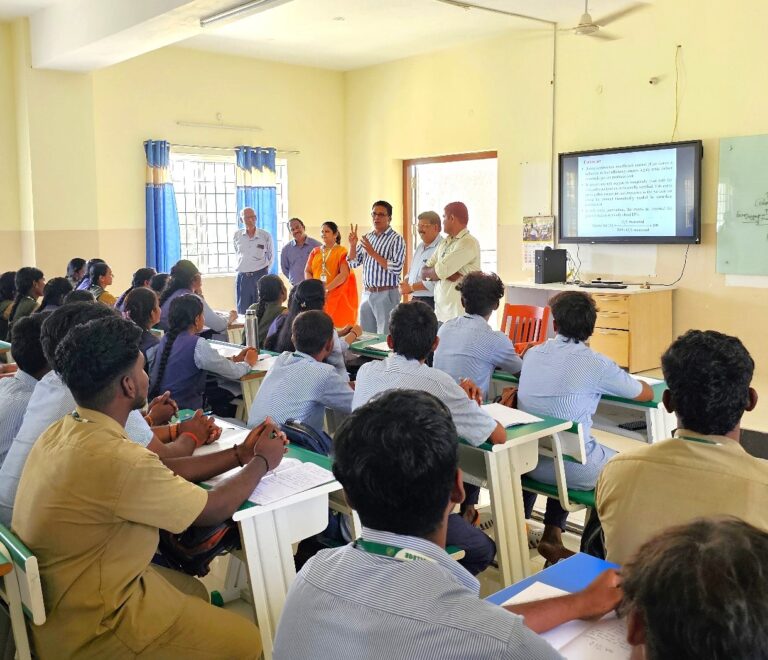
328,263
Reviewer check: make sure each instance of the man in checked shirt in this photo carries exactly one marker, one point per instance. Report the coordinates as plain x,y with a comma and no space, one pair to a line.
381,253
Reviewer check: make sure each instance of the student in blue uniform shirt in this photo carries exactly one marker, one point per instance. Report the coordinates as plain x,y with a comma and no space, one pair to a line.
396,593
413,335
300,385
565,378
469,347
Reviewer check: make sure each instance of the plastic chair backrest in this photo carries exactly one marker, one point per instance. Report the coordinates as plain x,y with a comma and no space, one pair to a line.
27,575
525,324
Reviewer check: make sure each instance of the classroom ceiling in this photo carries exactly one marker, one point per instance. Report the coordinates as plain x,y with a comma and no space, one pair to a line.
351,34
332,34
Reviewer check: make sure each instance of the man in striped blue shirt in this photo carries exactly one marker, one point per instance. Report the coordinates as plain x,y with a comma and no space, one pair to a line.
395,593
565,378
381,253
16,390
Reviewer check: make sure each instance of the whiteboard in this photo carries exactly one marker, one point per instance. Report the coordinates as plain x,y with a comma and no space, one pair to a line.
742,206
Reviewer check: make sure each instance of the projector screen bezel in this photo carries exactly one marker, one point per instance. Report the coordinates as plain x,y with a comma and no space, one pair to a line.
695,239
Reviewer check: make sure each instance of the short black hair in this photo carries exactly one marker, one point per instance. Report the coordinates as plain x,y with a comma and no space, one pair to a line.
386,205
575,313
701,590
158,282
708,376
61,320
25,339
413,328
79,295
396,458
311,331
481,292
299,220
93,357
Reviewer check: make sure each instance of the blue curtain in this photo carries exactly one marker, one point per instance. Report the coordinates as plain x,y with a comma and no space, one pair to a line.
163,236
256,189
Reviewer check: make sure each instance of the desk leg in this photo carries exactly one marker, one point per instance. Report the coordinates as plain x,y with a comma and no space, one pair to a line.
267,539
504,471
660,424
250,388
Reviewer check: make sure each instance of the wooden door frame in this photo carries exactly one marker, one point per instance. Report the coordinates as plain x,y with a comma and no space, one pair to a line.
407,196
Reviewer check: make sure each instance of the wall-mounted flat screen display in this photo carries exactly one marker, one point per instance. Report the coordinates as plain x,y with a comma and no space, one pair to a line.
645,194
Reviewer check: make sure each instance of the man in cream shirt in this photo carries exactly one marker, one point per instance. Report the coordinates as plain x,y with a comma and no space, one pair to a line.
456,256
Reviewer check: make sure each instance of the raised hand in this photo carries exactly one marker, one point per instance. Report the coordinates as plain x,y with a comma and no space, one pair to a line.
353,235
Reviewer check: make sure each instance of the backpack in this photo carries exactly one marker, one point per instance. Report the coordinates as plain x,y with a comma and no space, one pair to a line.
193,550
303,435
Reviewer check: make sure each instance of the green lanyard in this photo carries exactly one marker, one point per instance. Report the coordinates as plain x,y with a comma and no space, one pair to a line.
391,551
703,441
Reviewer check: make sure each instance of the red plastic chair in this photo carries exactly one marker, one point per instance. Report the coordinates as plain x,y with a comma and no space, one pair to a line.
525,325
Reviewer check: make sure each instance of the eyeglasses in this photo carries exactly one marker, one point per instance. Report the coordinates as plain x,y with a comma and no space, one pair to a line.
377,214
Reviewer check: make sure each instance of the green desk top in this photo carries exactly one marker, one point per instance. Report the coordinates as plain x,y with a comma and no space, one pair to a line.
5,346
658,390
514,432
361,347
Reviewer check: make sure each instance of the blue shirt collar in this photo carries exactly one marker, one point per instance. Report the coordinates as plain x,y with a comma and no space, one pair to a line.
452,567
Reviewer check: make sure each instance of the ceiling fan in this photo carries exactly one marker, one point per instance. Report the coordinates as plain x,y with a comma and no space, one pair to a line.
590,28
586,26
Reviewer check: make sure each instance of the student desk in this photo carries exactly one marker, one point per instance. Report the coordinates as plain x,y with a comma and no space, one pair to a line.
499,468
268,532
251,382
5,347
361,346
572,574
234,329
659,423
5,565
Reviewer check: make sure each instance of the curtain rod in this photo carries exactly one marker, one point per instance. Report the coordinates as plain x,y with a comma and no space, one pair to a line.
230,149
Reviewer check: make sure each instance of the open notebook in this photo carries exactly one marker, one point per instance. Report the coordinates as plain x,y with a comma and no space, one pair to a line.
290,477
509,416
605,639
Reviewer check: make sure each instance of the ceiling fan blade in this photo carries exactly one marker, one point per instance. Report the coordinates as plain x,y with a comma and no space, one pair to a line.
615,16
603,36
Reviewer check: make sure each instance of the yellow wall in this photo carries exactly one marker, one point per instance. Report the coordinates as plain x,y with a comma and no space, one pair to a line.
82,161
496,95
71,175
10,220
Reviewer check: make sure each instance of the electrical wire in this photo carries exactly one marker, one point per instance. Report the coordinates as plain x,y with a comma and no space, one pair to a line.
682,271
677,91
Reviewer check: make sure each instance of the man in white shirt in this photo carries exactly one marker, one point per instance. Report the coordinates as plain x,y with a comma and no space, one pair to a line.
456,256
418,288
253,247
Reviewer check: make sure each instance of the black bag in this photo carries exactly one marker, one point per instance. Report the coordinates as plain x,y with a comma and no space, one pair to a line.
305,436
193,550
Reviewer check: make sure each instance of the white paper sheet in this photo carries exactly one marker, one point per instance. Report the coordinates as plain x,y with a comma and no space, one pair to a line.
380,346
604,640
509,416
283,483
580,640
226,351
648,379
